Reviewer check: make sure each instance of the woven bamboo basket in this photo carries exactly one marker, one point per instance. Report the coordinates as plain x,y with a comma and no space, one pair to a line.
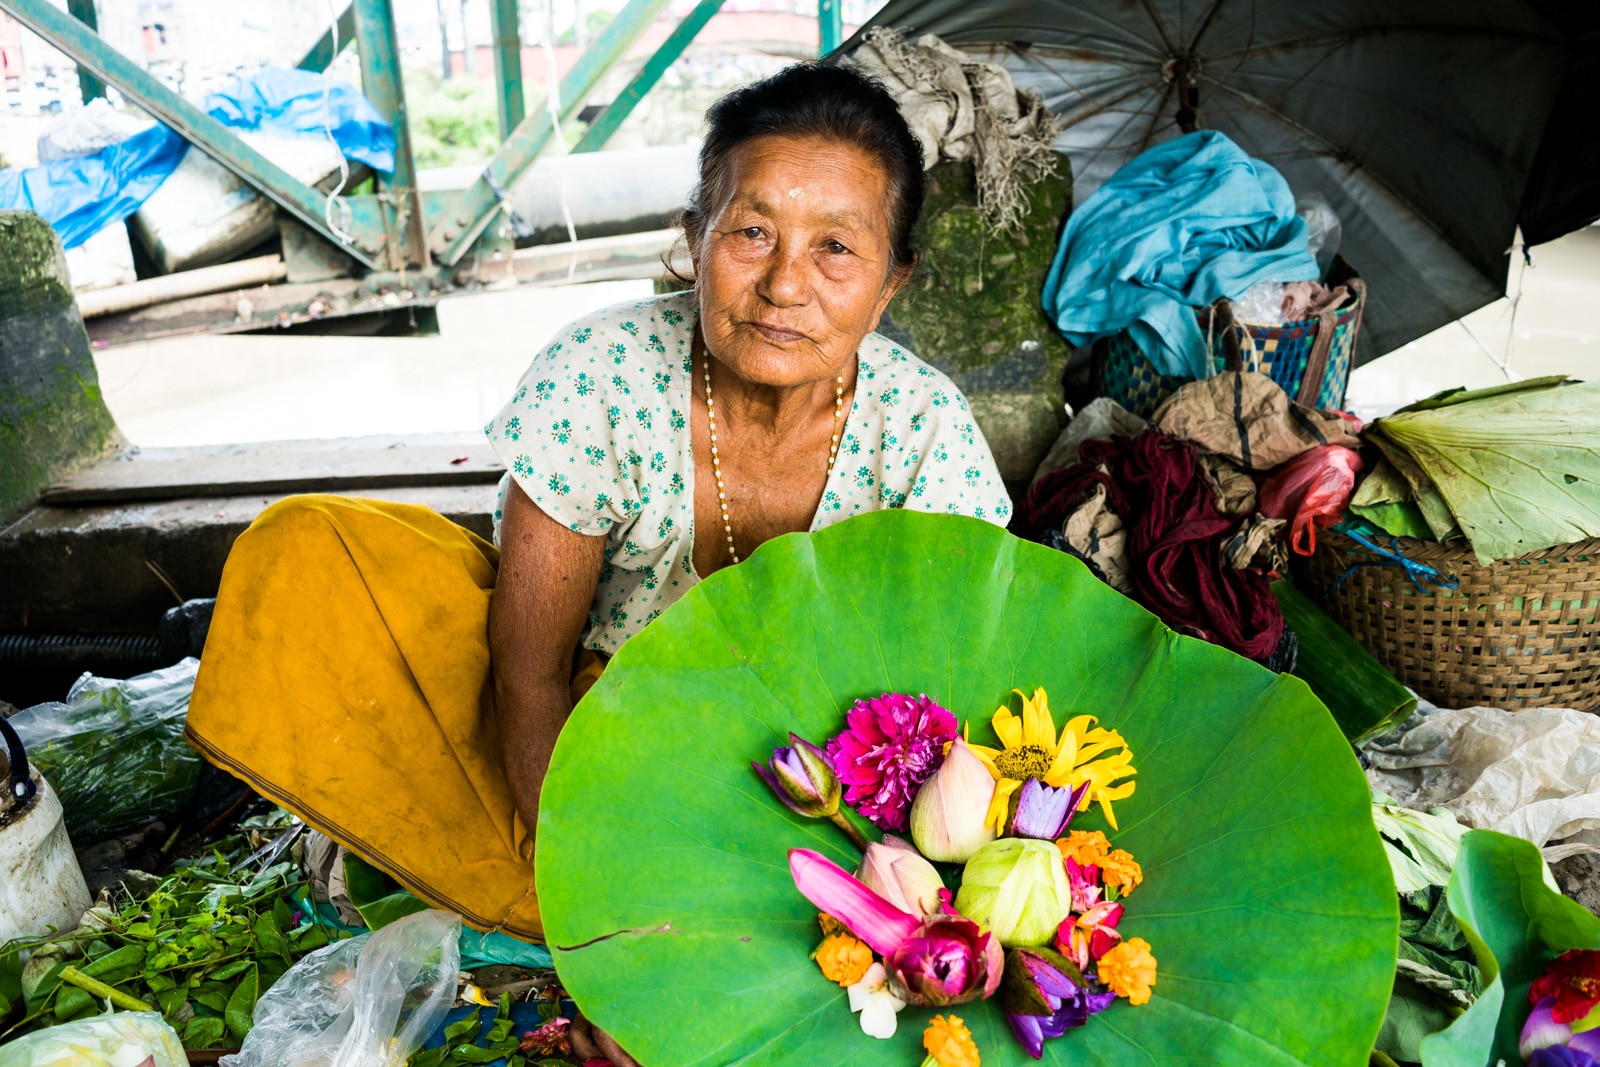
1519,633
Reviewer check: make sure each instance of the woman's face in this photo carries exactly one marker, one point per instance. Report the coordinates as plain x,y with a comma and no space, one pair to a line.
794,269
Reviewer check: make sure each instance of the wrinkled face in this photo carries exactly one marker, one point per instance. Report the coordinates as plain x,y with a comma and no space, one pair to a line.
794,268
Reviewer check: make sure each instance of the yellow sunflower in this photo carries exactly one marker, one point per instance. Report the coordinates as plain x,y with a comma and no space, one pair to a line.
1083,753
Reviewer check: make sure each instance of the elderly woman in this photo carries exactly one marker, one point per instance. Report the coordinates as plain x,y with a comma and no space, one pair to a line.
371,668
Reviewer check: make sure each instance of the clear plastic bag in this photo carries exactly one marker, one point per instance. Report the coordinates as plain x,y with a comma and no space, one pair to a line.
1261,305
1323,230
114,751
370,1001
122,1039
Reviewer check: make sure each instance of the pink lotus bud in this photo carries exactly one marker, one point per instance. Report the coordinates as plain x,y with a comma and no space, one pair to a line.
948,816
897,872
948,961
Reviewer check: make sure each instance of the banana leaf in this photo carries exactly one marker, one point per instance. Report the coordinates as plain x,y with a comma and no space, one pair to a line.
1520,471
661,857
1365,699
1516,923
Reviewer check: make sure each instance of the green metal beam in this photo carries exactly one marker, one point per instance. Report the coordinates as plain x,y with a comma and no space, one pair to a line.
477,205
607,122
327,49
830,19
84,11
380,78
85,48
507,34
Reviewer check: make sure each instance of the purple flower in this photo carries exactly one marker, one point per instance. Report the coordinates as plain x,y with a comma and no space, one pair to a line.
1541,1029
802,779
1561,1056
1044,811
890,746
1044,996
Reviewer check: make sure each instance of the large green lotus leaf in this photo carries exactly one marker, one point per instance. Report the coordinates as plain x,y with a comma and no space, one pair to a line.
1516,925
662,859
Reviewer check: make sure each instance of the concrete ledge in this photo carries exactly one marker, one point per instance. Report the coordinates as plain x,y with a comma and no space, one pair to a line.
88,569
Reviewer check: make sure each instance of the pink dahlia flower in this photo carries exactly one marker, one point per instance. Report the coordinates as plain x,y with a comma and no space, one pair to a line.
890,746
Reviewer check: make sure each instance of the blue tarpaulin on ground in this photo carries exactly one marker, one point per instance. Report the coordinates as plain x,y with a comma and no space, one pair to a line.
1182,225
80,195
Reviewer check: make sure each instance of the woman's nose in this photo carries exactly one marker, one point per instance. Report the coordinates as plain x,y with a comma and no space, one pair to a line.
788,277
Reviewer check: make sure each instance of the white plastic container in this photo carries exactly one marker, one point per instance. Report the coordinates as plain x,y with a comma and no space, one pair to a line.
41,886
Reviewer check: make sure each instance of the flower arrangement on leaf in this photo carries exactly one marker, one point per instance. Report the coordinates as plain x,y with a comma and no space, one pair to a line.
1563,1029
1035,917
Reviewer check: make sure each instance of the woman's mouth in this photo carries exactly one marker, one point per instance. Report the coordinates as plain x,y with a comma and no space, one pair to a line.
778,335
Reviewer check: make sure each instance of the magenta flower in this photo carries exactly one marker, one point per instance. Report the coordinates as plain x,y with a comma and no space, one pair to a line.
890,746
931,962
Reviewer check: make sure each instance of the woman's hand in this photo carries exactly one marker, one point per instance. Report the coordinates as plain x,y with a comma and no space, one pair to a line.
541,602
591,1042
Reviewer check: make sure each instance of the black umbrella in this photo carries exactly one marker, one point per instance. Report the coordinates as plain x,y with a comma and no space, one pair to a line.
1433,128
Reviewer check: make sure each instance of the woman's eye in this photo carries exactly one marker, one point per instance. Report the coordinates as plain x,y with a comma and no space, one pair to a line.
834,247
752,232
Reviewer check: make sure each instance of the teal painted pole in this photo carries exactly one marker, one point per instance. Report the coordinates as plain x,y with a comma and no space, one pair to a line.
380,79
69,36
830,20
616,112
326,50
476,206
84,11
507,33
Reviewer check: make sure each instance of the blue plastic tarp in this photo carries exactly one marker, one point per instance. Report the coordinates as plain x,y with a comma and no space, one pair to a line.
1182,225
80,195
292,100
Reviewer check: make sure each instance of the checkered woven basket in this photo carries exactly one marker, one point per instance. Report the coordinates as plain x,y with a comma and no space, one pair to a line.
1310,359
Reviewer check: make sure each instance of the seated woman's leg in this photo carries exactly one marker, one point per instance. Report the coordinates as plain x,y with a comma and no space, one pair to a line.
346,676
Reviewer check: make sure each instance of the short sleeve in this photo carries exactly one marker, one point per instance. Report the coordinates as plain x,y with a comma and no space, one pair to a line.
564,437
950,468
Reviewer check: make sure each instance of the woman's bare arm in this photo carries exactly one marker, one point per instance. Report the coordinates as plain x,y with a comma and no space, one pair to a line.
540,604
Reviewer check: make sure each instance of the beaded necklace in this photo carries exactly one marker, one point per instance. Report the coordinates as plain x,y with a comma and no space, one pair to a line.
716,462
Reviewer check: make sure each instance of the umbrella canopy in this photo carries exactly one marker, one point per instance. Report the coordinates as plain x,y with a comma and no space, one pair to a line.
1432,128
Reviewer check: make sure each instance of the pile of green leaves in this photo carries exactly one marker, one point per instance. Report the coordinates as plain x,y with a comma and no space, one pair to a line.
114,751
500,1043
1514,469
200,949
1436,977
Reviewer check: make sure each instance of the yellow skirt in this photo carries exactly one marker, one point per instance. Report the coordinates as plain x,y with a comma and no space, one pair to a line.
346,677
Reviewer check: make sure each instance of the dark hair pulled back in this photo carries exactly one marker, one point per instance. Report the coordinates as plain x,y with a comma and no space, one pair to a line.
825,101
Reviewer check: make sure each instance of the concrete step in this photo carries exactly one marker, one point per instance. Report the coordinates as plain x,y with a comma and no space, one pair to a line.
144,531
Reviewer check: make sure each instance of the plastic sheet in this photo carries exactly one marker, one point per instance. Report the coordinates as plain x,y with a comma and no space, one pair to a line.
1534,774
370,1001
292,100
78,195
123,1039
1312,490
114,750
81,194
86,131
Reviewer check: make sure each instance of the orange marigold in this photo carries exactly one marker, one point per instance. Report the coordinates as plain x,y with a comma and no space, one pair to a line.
843,959
1121,871
1087,848
949,1043
1129,970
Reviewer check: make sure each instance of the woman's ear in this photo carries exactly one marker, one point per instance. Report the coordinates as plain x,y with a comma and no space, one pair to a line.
898,277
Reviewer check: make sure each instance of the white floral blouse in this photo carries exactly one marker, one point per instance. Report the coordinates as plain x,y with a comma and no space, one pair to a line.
598,437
